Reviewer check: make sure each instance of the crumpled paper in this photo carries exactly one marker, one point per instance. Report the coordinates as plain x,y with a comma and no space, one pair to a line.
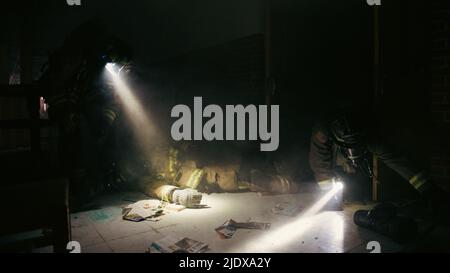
148,210
142,210
227,229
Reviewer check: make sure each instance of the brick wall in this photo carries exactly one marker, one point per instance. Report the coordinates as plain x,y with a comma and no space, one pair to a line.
440,92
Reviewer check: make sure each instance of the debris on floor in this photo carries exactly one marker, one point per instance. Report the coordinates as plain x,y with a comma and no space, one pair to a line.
171,244
148,210
227,229
287,209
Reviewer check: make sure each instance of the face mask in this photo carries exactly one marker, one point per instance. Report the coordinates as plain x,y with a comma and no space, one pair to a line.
351,144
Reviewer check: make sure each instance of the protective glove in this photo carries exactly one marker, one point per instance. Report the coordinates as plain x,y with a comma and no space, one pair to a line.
335,203
188,197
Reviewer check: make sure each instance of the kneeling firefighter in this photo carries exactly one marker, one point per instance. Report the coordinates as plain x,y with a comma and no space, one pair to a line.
341,147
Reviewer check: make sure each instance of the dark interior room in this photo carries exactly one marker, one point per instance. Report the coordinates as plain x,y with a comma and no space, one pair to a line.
225,126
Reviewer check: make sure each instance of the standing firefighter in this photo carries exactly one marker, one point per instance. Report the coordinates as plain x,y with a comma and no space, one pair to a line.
83,104
341,146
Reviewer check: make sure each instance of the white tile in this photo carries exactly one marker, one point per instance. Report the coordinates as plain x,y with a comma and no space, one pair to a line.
329,232
97,248
137,243
86,235
118,228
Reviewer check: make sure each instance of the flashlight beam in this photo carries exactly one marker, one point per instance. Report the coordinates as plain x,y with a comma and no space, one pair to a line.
144,129
127,96
278,238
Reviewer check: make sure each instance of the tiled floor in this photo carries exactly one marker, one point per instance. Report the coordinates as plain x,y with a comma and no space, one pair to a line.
103,230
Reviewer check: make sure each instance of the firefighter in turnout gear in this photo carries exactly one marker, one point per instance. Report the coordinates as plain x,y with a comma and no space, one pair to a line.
180,179
83,105
163,177
341,146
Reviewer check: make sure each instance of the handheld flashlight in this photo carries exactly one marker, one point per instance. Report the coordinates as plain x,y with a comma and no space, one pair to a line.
336,201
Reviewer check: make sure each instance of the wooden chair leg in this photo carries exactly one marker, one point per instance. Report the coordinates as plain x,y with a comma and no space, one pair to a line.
61,230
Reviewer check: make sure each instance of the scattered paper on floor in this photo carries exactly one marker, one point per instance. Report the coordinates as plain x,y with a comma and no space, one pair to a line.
171,244
148,210
227,229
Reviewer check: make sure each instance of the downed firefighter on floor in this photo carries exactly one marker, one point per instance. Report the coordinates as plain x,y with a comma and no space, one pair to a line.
93,128
175,177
